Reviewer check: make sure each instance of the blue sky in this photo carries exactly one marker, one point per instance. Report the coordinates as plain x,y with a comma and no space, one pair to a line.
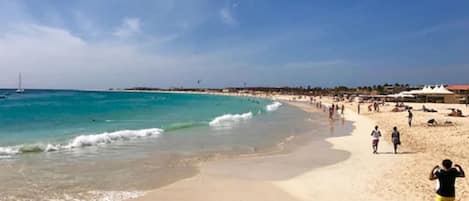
167,43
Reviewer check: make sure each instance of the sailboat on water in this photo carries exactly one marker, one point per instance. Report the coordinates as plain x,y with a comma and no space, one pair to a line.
20,88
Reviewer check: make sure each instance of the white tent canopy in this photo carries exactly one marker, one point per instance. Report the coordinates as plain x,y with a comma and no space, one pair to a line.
427,90
441,90
400,95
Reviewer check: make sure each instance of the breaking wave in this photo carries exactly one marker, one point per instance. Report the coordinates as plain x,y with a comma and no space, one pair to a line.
274,106
229,119
82,141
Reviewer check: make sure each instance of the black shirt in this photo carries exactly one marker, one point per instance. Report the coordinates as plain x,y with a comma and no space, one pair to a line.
447,179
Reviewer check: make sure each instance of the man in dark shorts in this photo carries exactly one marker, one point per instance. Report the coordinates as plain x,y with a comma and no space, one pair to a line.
446,176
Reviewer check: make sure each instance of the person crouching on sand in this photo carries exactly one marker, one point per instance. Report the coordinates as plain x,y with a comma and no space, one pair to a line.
396,139
376,134
446,176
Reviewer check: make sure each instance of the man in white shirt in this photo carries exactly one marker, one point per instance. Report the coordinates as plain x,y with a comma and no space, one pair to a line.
376,134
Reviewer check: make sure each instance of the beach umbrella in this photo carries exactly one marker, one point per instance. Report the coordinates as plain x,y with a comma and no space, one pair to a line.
400,95
411,92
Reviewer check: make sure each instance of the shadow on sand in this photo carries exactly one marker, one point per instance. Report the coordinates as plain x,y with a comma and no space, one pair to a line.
402,152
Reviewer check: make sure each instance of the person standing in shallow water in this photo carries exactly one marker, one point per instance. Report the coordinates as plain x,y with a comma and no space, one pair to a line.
376,134
446,176
396,139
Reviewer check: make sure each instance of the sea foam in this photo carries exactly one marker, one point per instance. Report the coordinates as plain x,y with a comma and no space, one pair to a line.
115,195
274,106
82,141
106,138
12,150
229,119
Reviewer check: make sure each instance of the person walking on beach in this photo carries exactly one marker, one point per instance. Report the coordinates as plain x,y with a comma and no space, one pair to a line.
375,106
358,108
410,116
446,176
376,134
396,138
342,110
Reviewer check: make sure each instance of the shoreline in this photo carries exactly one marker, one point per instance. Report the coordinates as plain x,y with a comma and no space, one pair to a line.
330,168
305,173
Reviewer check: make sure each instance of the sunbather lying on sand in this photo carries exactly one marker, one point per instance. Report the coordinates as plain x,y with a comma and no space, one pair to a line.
397,109
428,110
434,123
455,113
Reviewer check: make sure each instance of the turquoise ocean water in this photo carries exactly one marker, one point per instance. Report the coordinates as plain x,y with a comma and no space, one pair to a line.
98,145
31,121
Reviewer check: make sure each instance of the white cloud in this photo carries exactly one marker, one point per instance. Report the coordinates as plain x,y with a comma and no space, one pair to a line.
227,17
51,57
128,27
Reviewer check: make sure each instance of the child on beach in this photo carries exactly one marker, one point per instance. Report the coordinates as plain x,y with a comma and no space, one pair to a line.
376,134
396,139
446,176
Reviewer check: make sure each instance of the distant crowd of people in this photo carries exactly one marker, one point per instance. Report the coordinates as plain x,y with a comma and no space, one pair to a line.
333,109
